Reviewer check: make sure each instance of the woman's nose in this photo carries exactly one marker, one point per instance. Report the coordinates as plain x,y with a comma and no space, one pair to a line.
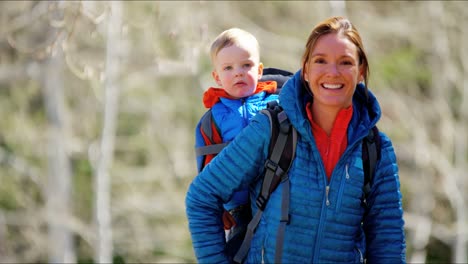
333,69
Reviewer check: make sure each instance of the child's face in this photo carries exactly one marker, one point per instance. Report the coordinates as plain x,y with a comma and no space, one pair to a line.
237,70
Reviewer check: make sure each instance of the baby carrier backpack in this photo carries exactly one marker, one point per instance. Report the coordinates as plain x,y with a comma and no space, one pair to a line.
282,148
210,131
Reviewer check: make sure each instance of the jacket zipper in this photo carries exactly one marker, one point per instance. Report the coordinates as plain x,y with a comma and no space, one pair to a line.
342,186
325,204
327,190
263,255
244,112
361,257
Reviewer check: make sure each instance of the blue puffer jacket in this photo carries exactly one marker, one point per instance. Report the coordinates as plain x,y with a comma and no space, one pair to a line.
319,231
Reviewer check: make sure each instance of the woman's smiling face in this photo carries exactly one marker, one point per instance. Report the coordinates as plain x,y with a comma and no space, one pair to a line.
333,71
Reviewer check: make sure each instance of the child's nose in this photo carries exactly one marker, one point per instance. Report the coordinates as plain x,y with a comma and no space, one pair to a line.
239,72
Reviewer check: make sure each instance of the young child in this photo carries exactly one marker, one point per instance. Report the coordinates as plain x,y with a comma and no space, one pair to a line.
235,56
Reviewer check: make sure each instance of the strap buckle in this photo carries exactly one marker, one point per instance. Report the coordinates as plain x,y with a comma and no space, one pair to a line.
261,202
271,165
285,219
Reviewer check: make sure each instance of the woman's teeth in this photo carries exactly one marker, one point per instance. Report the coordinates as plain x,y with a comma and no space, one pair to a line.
332,86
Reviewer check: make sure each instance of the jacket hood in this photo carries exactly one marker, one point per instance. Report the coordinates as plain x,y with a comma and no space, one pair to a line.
294,96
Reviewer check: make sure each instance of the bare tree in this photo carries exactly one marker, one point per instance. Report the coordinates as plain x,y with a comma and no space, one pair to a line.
103,219
61,246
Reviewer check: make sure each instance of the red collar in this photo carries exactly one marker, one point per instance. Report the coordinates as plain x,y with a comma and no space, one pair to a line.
331,147
212,95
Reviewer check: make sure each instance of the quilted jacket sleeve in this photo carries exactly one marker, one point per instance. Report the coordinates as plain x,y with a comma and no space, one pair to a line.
234,168
384,224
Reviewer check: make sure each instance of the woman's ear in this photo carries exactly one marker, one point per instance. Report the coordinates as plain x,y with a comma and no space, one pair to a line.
361,78
215,76
361,73
304,73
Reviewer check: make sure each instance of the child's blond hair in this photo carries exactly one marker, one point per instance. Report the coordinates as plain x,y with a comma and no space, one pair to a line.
233,36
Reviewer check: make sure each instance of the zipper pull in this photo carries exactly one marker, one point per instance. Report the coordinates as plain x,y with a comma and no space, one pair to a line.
347,174
360,255
327,190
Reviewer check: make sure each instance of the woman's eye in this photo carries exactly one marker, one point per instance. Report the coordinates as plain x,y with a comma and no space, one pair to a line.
319,60
347,62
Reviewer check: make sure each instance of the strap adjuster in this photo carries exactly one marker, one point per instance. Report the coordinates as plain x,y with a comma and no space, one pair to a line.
261,202
286,220
271,165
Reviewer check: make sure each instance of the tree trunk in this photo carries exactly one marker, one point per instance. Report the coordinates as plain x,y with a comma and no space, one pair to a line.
61,245
103,219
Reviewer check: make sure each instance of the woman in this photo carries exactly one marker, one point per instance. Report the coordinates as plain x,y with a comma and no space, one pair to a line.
332,114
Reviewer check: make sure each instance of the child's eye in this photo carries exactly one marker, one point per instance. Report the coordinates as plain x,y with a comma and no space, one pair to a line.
227,68
248,65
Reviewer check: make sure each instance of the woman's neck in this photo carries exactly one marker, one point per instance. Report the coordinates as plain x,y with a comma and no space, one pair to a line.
324,117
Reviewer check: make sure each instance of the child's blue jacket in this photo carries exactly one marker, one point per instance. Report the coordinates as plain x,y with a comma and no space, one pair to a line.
324,227
231,116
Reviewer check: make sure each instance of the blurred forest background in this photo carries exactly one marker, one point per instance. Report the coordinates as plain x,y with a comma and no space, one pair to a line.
99,101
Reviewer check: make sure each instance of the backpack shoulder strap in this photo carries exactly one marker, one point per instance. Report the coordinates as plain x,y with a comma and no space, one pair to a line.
282,149
212,137
370,155
205,124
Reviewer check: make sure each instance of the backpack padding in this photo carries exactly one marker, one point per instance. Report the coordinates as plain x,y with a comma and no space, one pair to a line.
277,75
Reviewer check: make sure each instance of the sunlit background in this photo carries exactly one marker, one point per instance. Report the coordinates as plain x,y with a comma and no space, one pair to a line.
99,102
